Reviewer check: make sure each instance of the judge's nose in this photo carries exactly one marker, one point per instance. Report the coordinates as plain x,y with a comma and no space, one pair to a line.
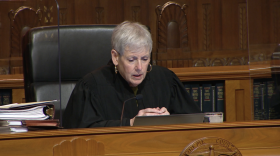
138,66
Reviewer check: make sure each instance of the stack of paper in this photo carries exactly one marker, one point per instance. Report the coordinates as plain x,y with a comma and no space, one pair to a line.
27,116
27,111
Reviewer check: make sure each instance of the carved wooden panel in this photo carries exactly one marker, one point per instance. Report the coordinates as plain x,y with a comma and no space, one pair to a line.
22,20
79,147
243,37
206,26
172,35
216,30
238,100
49,12
210,146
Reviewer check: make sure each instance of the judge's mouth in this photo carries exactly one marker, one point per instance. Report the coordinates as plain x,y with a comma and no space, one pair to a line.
137,76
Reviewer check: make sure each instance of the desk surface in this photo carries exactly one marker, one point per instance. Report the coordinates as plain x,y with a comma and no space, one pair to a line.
141,129
251,138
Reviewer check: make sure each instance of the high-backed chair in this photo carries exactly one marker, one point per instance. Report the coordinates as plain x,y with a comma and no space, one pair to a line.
83,48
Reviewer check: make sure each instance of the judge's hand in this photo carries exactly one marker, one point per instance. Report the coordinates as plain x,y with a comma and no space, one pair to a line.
150,112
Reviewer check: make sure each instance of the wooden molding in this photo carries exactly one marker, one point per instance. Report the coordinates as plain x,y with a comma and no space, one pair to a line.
223,72
11,81
184,74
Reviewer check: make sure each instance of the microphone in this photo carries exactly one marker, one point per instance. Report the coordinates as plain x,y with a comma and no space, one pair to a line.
137,97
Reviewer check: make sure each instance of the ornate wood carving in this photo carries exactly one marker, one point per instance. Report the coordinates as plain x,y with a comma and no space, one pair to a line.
172,34
136,10
63,16
48,14
206,26
243,37
21,21
210,146
79,147
226,61
99,15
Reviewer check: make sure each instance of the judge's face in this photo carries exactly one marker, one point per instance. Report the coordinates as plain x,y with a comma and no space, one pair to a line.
132,65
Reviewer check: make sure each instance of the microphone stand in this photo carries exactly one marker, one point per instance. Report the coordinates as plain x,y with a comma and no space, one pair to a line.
137,97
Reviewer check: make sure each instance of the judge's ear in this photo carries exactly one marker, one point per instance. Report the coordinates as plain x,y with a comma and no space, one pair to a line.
115,57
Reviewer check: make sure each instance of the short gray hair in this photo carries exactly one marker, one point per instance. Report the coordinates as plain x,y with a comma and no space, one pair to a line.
132,35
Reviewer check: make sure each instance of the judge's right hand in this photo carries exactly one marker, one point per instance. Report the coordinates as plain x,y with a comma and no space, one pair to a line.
150,112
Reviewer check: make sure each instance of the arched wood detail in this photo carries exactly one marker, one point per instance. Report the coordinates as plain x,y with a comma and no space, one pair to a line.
210,146
21,21
79,147
169,14
172,35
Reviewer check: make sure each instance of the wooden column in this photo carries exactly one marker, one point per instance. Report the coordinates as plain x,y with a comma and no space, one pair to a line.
238,100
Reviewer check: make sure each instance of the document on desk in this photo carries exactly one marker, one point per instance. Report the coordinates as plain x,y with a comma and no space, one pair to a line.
27,111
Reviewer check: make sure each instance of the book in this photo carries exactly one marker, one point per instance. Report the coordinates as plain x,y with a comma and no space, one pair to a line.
30,123
213,89
5,96
270,91
264,115
27,111
257,99
219,97
188,88
207,97
13,129
8,126
195,93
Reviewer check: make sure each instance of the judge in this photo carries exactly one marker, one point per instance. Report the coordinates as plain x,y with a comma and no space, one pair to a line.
97,99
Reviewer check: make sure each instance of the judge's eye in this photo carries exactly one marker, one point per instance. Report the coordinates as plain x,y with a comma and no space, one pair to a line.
130,60
145,59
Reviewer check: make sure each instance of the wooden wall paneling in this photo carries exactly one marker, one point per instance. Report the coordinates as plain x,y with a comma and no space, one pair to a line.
238,100
21,20
113,11
172,33
274,21
5,7
192,23
205,18
49,12
217,25
242,22
1,44
68,12
265,14
64,9
153,24
259,21
230,24
18,96
85,12
138,10
5,29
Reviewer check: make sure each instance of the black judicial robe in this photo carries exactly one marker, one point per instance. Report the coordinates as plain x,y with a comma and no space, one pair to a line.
97,99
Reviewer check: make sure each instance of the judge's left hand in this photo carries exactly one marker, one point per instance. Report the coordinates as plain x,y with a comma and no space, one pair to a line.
150,112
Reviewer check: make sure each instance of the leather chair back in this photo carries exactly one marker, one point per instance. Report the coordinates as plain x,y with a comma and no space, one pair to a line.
83,48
